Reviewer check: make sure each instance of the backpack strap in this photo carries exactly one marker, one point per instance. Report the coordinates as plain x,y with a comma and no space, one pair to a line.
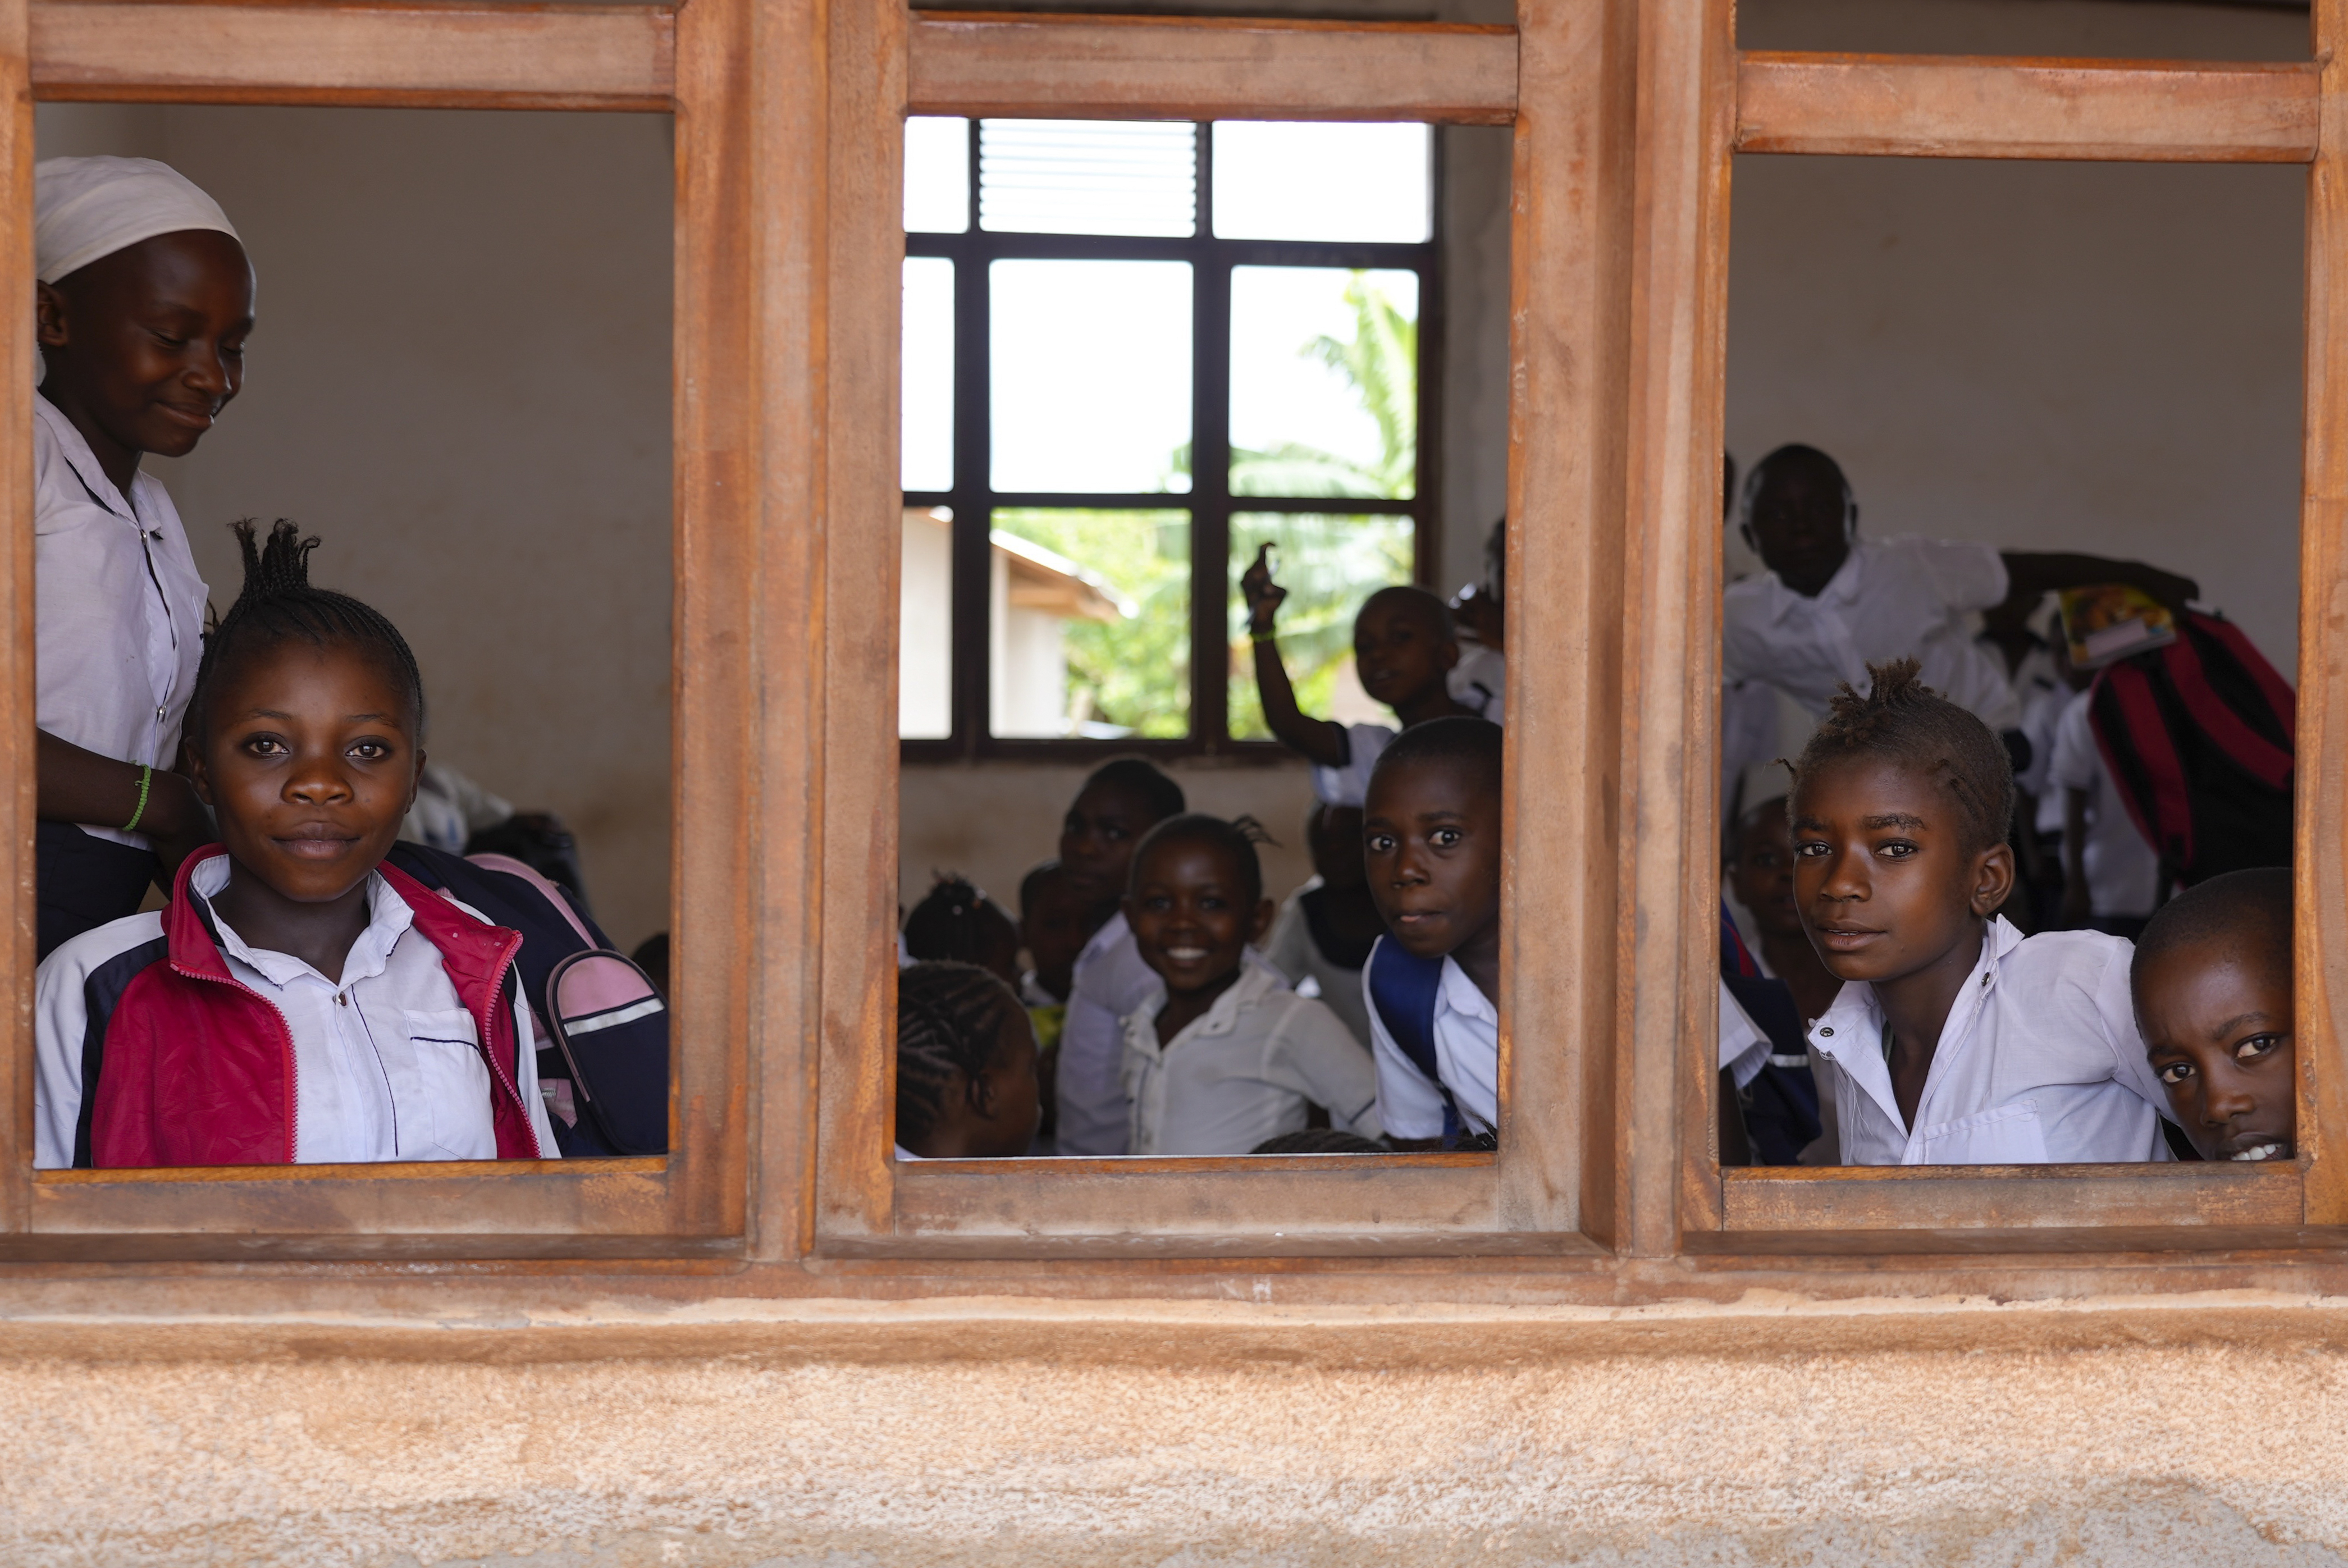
2256,755
2163,812
1404,988
2268,679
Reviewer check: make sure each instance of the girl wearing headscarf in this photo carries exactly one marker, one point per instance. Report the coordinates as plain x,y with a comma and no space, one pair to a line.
144,302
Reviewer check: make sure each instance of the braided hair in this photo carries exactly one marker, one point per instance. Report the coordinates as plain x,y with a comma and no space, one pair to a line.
1237,838
1904,720
950,1019
277,604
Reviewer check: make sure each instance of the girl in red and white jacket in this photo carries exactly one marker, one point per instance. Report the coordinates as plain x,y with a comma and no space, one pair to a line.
300,1000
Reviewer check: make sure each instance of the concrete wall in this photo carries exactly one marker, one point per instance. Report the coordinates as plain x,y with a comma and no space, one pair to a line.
1009,1436
460,379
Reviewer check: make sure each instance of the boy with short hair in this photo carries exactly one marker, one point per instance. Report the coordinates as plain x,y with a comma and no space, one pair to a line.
1405,649
1431,840
2212,982
1831,603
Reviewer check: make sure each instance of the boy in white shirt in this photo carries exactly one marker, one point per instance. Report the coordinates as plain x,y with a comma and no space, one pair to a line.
1431,839
1831,603
1954,1040
1221,1055
1405,649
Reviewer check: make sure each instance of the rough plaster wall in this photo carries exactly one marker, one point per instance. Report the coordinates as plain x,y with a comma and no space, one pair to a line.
1050,1439
2103,357
993,822
460,379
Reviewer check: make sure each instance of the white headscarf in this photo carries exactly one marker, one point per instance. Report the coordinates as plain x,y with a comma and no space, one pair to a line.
86,208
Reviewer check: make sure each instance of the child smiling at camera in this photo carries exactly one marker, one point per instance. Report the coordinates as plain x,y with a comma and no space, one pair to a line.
1222,1054
299,1001
1954,1041
2213,996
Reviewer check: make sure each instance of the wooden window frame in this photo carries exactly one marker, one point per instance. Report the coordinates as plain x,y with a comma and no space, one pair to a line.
1626,117
1209,504
690,1203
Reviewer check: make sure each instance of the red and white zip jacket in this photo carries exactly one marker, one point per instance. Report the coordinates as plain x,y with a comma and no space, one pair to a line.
152,1050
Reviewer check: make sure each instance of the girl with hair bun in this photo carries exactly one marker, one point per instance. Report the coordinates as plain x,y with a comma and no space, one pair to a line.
300,1000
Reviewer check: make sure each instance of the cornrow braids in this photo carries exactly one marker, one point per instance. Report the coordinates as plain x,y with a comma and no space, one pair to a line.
1903,719
278,604
1237,838
950,1019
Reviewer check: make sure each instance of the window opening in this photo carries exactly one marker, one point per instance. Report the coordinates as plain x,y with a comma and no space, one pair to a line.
1108,319
2081,376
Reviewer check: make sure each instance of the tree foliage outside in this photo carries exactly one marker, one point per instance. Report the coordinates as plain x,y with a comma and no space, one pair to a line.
1132,674
1135,674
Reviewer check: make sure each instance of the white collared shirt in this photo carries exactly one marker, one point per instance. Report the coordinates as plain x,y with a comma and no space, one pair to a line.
2038,1064
118,607
1467,1058
1109,980
2123,871
1244,1071
1892,597
387,1061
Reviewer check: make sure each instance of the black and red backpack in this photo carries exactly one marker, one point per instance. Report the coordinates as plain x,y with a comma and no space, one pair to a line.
2198,737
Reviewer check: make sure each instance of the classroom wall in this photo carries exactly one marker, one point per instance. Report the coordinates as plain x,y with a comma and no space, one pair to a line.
460,379
2092,357
993,820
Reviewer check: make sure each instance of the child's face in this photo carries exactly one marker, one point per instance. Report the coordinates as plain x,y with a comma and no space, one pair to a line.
2216,1022
150,341
1761,874
309,759
1797,530
1191,914
1054,929
1334,836
1097,839
1882,876
1431,839
1399,650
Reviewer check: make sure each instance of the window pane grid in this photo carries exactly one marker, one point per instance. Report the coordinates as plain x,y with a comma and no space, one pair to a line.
1262,384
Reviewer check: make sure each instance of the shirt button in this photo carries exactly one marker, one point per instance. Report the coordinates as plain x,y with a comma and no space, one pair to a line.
343,999
1825,1031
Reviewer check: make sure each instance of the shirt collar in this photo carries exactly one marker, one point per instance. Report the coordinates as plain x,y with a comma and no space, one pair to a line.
388,919
1842,588
1851,1032
1255,979
1459,994
83,462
